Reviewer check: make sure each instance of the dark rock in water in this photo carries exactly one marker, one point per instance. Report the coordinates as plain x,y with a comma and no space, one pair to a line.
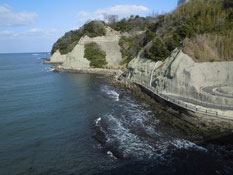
99,135
45,59
225,139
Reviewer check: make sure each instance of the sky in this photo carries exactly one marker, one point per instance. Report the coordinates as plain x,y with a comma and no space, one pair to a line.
34,25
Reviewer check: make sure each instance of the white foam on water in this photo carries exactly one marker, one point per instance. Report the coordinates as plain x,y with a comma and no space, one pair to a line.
180,143
97,121
111,93
35,54
128,144
110,154
131,145
49,69
131,129
97,124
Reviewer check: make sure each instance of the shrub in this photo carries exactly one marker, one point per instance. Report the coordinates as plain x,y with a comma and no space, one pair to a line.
158,50
94,29
149,35
66,43
95,55
185,31
130,47
228,3
206,47
123,26
134,23
193,21
173,42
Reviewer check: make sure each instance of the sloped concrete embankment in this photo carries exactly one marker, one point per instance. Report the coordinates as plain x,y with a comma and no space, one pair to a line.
179,75
182,80
76,60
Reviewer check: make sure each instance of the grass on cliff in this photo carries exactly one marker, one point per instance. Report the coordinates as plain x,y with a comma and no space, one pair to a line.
205,26
66,43
95,55
130,47
131,24
202,27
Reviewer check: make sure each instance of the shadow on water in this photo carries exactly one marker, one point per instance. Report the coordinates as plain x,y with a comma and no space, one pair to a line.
226,139
182,162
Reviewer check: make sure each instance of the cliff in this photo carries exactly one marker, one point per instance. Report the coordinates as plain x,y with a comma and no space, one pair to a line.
179,75
187,53
108,43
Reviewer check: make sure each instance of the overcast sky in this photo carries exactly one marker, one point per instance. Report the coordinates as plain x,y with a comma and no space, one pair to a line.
34,25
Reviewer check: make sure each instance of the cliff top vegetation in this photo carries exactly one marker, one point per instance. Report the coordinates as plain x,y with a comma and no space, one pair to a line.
204,28
66,43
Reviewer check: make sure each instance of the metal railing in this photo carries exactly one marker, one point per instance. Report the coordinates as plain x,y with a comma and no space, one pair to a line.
180,103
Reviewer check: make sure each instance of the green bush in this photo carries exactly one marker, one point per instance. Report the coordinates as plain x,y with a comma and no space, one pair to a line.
228,4
94,29
149,35
66,43
173,42
185,31
199,17
130,47
95,55
123,26
134,23
158,51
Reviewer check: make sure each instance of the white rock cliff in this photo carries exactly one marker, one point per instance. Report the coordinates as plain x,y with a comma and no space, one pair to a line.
76,60
181,76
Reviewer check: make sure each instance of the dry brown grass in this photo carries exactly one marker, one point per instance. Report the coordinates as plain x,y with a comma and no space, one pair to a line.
210,47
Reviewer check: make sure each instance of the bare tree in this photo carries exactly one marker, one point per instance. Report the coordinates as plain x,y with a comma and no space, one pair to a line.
111,19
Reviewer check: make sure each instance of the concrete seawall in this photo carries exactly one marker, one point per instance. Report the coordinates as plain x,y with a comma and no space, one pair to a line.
182,107
109,72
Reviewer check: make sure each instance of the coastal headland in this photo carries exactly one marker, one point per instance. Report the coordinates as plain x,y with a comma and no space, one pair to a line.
181,66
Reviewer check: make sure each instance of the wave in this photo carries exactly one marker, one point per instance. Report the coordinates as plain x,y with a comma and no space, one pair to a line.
49,69
185,144
131,133
111,93
97,121
110,154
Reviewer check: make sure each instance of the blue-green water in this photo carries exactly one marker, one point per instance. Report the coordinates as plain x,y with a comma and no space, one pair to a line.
63,123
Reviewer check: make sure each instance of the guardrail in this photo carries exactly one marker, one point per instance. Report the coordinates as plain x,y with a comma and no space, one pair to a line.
180,103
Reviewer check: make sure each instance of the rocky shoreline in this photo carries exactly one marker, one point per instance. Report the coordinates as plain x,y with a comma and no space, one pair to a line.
107,72
193,127
190,126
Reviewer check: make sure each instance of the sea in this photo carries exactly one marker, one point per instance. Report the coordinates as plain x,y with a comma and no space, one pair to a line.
77,124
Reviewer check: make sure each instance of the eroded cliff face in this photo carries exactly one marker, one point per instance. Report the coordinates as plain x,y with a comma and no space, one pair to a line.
140,69
179,75
76,59
57,57
108,43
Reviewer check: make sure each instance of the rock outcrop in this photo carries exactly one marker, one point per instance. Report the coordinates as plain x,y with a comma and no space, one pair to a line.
57,57
76,59
181,76
140,69
108,43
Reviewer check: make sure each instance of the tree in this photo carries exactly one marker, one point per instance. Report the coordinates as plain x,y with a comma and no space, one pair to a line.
111,19
228,3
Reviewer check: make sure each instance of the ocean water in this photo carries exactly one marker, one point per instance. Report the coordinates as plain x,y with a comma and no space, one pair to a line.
64,123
